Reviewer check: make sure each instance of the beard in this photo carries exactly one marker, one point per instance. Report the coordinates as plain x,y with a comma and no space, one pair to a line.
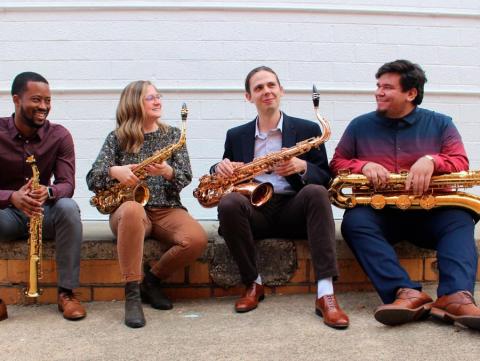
29,120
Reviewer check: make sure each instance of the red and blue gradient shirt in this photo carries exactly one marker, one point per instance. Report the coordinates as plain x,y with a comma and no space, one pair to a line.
397,144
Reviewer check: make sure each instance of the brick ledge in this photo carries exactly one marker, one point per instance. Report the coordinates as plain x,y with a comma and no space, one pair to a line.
285,266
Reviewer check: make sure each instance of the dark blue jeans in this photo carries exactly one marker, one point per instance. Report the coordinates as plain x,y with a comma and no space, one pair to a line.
371,234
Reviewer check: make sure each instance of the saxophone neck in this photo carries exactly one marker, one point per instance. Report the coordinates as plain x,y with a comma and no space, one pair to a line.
324,123
165,153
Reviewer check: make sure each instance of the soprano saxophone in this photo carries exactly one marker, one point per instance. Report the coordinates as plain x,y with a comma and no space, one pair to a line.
213,187
35,239
109,199
349,190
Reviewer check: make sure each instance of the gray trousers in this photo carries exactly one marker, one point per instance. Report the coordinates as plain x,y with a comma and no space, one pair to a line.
62,223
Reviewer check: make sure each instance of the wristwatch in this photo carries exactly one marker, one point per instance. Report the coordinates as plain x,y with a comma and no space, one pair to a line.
50,192
429,157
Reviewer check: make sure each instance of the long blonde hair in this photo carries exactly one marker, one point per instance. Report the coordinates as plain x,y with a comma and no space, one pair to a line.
130,116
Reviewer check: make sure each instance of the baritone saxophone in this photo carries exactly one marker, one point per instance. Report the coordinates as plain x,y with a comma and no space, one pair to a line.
349,190
213,187
35,239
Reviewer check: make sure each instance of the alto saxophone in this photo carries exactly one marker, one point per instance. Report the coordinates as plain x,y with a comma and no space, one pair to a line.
349,190
213,187
109,199
35,239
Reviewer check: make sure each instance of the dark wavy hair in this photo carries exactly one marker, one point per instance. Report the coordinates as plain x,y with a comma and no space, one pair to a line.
411,76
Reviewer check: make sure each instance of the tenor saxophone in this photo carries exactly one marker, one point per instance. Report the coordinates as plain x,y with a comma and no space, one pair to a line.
350,190
35,239
212,187
108,200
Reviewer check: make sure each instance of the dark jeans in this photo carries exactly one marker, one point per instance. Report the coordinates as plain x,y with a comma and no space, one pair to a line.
450,231
62,223
307,214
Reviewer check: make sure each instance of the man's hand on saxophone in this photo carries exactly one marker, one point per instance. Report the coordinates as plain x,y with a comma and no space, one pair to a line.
419,176
377,174
40,194
225,167
27,201
290,166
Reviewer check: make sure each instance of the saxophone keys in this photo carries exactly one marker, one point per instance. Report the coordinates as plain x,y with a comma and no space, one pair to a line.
427,201
403,202
378,201
351,202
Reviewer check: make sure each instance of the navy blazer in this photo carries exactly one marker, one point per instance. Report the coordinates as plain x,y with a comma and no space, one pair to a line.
240,146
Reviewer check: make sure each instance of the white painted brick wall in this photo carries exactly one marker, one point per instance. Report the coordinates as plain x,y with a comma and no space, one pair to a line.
200,52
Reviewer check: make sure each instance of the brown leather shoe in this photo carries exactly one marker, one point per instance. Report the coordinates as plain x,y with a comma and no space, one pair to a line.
410,305
328,308
3,310
458,307
251,297
70,306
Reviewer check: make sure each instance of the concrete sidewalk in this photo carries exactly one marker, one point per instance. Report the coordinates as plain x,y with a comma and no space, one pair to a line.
282,328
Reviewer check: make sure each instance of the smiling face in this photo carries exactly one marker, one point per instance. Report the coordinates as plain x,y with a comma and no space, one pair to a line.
392,101
152,103
32,105
265,92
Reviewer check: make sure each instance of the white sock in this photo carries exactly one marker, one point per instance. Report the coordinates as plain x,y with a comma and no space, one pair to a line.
258,280
324,287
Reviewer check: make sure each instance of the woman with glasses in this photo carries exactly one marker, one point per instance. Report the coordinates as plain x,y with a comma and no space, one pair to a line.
138,134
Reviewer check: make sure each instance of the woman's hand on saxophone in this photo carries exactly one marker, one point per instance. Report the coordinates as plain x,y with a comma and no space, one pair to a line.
162,169
225,167
419,176
23,201
377,174
124,174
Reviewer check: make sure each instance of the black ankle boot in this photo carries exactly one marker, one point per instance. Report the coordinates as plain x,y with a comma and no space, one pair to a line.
133,306
3,310
151,292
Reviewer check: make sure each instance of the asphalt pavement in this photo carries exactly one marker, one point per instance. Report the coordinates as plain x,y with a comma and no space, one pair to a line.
282,328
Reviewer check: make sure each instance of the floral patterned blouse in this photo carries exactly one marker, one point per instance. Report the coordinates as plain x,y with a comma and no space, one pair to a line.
163,193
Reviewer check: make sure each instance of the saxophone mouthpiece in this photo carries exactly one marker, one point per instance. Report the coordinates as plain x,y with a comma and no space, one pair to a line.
184,112
315,96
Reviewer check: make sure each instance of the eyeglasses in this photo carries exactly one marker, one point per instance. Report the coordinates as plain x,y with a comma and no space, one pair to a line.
151,97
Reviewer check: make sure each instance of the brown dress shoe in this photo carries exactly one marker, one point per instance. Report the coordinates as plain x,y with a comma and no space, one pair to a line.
3,310
251,297
71,307
410,305
458,307
333,316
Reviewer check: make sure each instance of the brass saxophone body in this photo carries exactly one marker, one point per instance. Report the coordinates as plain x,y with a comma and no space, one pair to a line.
213,187
34,240
349,190
108,200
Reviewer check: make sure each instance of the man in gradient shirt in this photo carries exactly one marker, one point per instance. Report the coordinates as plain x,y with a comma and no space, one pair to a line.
397,137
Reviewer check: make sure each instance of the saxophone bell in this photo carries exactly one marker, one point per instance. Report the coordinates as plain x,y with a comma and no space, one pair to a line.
349,190
258,193
108,200
212,188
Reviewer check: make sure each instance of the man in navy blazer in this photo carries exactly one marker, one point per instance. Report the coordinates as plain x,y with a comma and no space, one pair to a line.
299,207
